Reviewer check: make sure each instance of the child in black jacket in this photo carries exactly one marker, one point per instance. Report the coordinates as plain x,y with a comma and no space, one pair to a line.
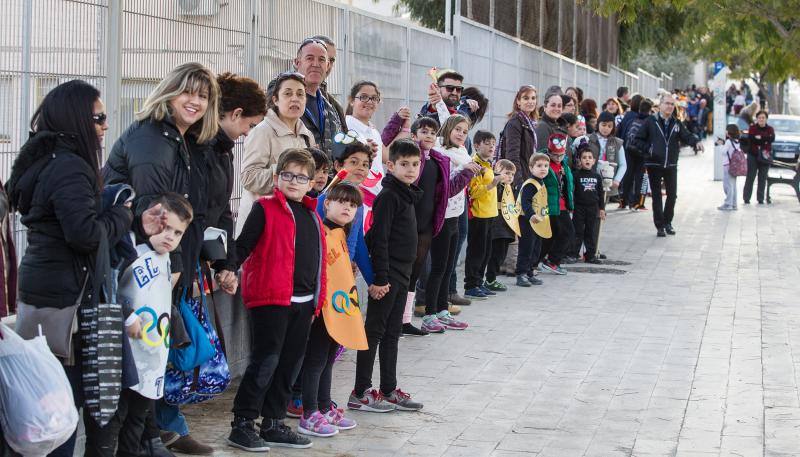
392,243
589,204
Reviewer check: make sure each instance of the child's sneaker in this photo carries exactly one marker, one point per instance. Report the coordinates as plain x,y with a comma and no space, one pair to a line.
445,319
594,260
295,408
316,425
486,291
432,325
281,435
372,401
402,401
495,286
335,416
553,268
475,294
244,436
535,281
524,280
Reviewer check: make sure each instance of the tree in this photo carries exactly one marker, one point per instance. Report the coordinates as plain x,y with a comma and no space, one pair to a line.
758,39
429,13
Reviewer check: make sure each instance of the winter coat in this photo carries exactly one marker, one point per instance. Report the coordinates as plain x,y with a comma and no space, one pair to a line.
219,160
546,127
446,185
554,189
519,144
56,192
660,141
767,135
262,148
153,157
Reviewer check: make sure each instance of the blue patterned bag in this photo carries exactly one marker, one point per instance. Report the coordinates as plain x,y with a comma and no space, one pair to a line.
209,379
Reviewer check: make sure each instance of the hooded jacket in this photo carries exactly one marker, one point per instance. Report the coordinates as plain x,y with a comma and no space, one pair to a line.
392,240
56,192
219,160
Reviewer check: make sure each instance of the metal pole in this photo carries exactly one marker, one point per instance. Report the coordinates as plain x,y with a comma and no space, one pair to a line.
448,17
456,33
251,65
113,67
345,67
408,65
519,18
492,11
25,106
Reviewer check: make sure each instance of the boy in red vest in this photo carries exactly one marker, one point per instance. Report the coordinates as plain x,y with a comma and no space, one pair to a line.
283,285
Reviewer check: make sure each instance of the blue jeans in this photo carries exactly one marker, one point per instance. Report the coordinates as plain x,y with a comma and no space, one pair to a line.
462,236
169,418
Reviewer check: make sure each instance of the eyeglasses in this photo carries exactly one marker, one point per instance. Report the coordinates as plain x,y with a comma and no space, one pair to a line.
451,88
559,143
288,176
100,118
367,98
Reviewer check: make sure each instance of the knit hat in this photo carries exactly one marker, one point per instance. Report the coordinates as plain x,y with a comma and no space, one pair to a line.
557,143
580,144
605,116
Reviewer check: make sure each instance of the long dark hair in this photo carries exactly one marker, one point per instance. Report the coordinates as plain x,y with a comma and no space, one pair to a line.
69,109
474,93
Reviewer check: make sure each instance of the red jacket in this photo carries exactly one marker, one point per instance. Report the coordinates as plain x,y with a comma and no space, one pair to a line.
268,273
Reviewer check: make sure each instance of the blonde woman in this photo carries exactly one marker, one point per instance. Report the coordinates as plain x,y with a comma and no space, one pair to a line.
160,152
282,129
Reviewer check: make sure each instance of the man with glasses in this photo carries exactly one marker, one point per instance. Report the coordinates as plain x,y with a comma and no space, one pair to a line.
321,117
660,138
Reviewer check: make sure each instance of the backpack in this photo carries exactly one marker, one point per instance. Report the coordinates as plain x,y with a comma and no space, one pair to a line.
630,135
737,162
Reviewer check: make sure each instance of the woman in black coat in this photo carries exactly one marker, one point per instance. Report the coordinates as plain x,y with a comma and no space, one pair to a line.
164,151
551,121
519,133
55,185
243,104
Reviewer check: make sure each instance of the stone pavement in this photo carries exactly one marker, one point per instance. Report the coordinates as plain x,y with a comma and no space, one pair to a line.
690,353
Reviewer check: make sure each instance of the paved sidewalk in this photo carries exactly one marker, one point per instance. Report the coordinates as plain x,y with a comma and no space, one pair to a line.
690,353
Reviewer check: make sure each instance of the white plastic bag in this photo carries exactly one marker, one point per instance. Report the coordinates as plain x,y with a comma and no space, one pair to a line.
37,410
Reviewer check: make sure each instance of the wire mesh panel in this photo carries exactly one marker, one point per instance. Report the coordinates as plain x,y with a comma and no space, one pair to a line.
43,43
530,21
582,81
426,51
378,52
529,66
504,81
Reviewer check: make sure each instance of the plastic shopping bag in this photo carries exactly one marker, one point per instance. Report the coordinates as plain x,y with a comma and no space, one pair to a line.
37,410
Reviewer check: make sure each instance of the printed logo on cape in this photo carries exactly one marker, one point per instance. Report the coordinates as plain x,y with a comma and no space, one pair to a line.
341,311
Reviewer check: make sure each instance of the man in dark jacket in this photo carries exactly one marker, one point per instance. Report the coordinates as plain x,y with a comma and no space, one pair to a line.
449,90
660,140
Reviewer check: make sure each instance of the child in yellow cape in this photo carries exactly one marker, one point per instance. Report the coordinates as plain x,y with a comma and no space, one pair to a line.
340,321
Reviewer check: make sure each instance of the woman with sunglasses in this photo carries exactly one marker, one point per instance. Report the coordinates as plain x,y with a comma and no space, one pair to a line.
55,185
280,130
163,151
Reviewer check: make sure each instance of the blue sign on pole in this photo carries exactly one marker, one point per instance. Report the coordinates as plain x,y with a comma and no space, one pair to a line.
718,66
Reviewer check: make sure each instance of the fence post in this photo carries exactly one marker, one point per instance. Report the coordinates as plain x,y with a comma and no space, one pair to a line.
251,65
348,46
408,65
25,95
448,17
456,34
113,67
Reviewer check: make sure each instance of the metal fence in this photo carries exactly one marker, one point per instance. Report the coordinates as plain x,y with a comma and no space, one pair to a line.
125,46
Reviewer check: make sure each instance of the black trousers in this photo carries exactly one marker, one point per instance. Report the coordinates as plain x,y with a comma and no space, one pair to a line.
443,256
585,222
529,249
318,368
278,336
663,213
632,181
132,411
478,250
497,258
556,247
383,325
754,167
423,248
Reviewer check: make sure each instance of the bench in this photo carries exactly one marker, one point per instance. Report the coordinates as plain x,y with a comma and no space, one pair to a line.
793,181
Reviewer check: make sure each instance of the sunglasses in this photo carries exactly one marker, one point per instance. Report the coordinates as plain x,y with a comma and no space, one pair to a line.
288,176
451,88
346,138
100,118
313,40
